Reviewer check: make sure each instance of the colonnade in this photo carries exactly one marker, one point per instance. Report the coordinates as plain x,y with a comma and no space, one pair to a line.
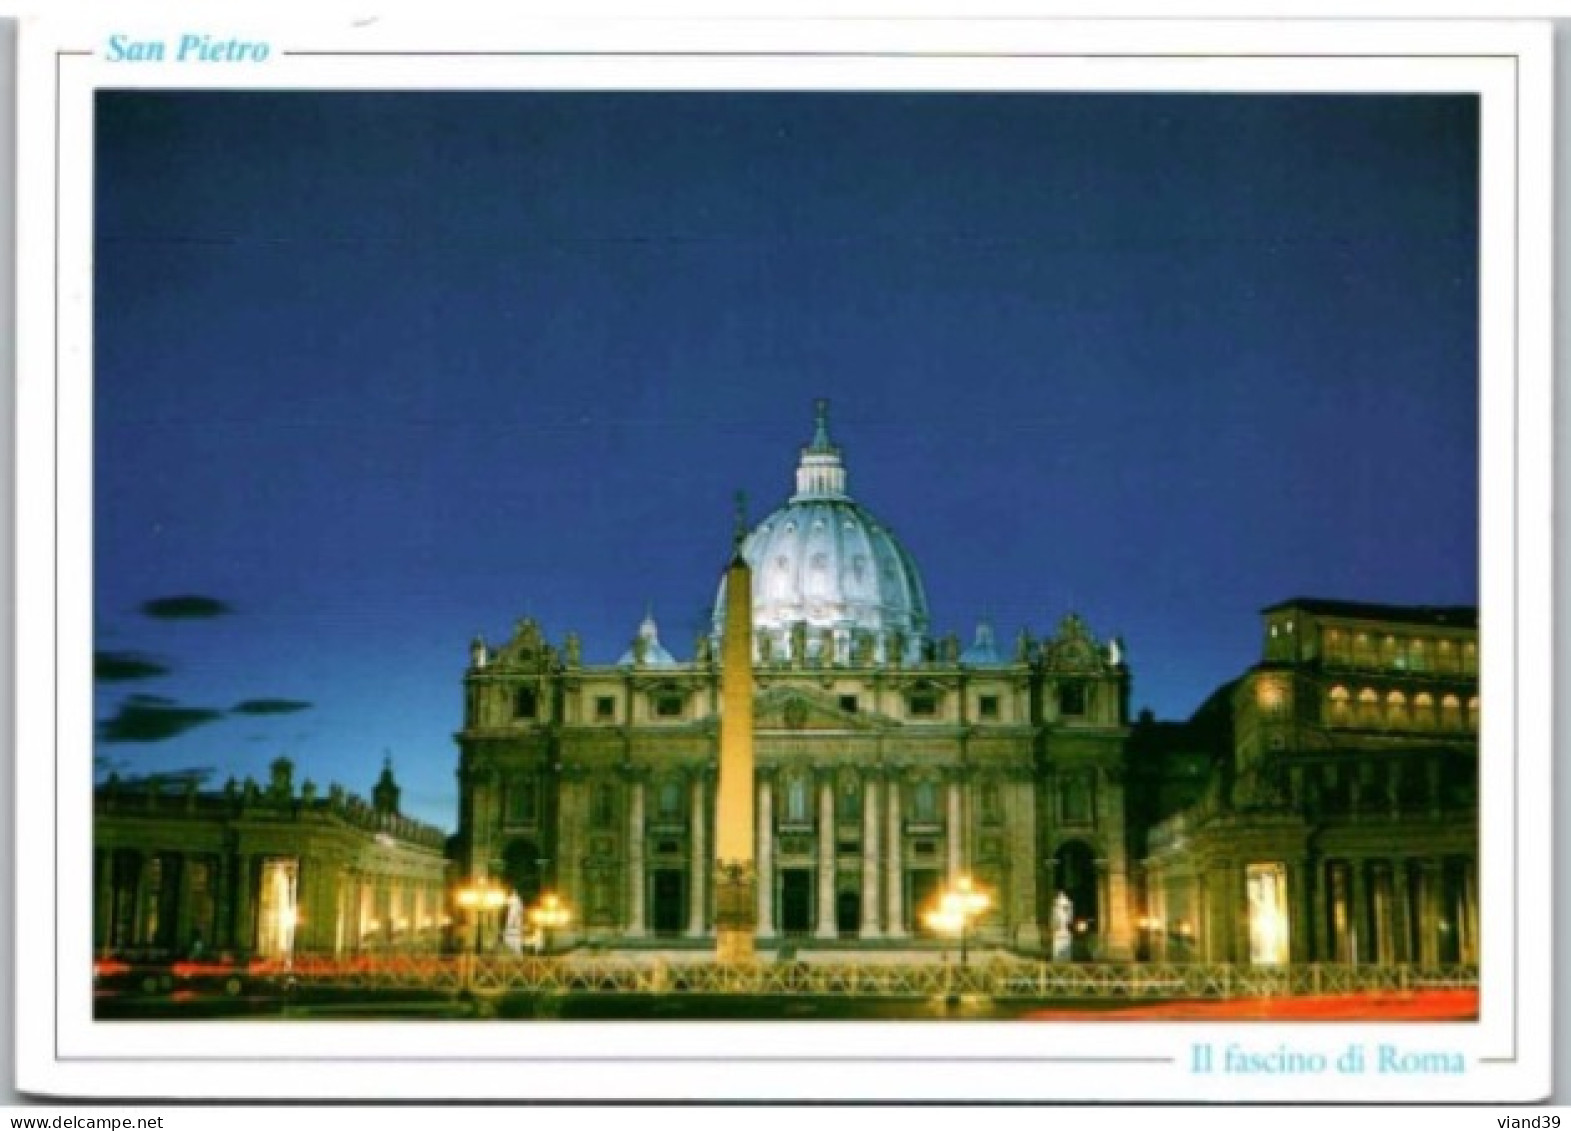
1377,908
878,877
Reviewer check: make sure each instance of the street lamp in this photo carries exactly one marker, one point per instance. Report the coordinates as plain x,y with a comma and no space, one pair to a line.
550,913
477,898
956,909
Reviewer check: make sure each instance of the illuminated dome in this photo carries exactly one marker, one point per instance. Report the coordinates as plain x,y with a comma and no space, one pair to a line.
829,578
646,649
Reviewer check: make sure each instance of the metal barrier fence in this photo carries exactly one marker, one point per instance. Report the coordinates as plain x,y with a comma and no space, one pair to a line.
993,977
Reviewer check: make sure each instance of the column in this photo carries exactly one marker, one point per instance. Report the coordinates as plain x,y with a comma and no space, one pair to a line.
103,898
572,819
1238,918
1203,949
1024,856
953,833
1378,914
1104,909
182,933
826,858
1300,909
1221,914
245,914
1467,916
1320,912
1401,912
635,860
894,865
766,857
1429,912
870,857
222,882
698,821
1358,913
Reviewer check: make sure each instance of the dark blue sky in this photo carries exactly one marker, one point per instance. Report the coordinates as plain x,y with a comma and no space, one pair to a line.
381,371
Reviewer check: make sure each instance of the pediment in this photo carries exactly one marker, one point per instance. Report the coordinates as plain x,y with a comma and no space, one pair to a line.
802,709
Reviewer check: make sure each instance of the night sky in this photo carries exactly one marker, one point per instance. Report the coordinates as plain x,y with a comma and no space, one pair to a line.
379,372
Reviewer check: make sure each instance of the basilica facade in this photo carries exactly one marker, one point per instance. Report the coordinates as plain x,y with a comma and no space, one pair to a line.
1321,807
889,761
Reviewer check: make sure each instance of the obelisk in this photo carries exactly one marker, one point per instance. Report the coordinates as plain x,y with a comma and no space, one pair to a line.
736,905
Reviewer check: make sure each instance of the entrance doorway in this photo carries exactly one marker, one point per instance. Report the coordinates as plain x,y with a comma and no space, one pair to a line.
925,887
1077,880
669,887
796,901
848,913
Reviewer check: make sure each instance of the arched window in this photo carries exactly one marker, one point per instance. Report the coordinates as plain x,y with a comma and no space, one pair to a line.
1340,702
1451,713
526,703
1368,708
1390,654
1472,713
1470,658
1396,710
1418,656
1424,710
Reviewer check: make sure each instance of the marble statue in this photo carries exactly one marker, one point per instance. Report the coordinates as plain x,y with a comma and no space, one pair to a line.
1063,926
513,925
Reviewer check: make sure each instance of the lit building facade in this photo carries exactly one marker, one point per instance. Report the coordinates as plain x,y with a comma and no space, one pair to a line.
1341,825
263,871
888,761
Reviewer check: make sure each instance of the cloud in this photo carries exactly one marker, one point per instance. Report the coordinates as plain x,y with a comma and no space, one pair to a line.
270,707
118,667
188,606
152,718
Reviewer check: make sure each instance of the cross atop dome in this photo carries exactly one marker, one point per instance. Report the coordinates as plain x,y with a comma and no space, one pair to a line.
820,474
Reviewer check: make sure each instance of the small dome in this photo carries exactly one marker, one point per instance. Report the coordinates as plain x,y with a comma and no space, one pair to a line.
647,650
827,575
984,649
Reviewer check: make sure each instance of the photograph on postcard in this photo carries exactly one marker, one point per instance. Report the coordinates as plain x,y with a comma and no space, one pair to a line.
935,558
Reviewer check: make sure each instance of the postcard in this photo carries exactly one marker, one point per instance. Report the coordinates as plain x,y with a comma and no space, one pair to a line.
820,559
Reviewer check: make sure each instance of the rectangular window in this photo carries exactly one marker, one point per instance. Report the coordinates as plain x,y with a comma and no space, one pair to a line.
1072,699
523,801
987,706
526,703
668,706
605,708
1075,800
796,802
848,704
849,805
924,705
669,802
